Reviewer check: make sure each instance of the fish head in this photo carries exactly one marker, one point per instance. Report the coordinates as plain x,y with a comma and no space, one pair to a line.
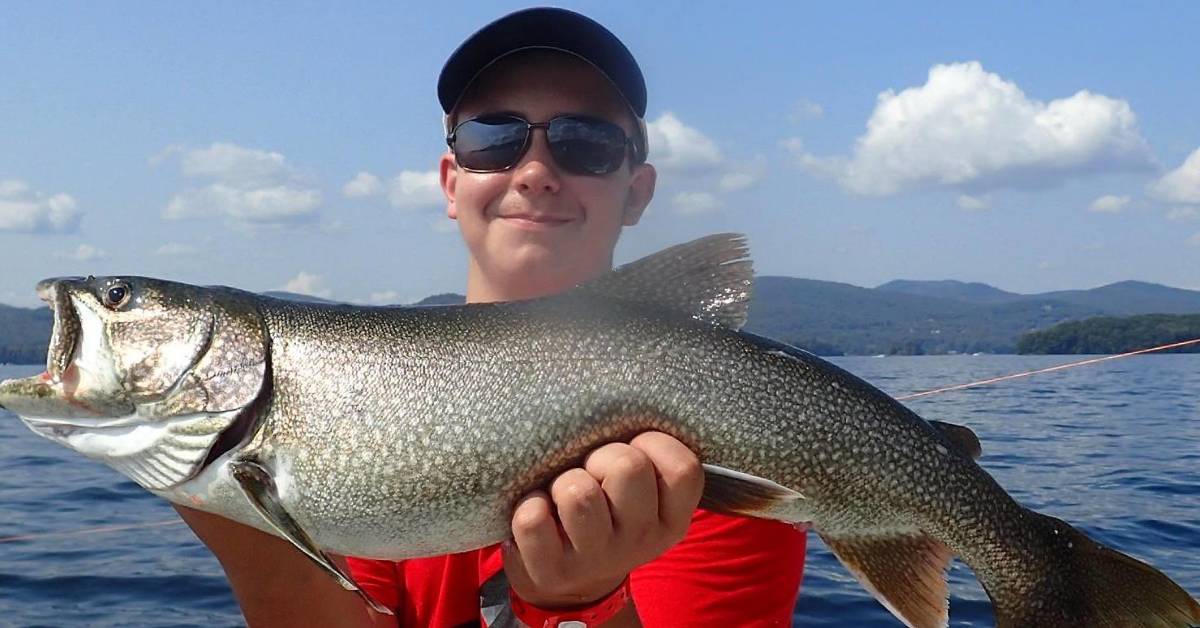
135,361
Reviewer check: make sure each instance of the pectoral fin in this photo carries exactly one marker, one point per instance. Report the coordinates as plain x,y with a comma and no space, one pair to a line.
259,487
734,492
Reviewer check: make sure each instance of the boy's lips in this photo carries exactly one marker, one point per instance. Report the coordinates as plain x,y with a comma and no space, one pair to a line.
536,221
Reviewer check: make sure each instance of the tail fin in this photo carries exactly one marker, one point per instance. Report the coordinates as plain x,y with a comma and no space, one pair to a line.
1093,585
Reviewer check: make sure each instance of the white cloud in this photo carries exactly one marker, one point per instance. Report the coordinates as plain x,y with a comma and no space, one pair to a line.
692,203
25,211
308,283
967,127
234,164
249,186
743,176
971,203
1182,214
821,166
1109,204
170,151
175,249
700,176
363,184
416,190
10,188
674,146
387,297
85,253
276,204
805,109
1181,185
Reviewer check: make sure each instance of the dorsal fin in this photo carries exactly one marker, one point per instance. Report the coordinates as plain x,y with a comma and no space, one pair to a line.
710,279
963,438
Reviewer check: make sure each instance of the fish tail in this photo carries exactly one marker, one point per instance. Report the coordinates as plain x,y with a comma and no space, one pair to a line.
1089,584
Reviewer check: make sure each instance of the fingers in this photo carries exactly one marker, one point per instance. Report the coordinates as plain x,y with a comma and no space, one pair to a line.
680,478
627,477
535,535
583,511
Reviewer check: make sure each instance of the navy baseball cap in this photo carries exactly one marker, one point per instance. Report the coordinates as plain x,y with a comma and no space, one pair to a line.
546,28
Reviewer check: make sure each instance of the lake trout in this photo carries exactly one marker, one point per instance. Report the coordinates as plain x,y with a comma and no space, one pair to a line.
391,432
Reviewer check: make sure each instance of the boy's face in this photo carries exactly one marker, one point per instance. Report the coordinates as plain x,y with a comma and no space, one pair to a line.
535,229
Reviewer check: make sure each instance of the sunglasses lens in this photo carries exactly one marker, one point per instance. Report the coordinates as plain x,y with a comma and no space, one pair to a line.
490,143
586,145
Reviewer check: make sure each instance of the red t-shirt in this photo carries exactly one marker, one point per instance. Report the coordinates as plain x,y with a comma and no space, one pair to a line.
727,571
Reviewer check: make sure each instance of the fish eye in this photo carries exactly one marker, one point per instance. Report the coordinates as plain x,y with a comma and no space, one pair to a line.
116,295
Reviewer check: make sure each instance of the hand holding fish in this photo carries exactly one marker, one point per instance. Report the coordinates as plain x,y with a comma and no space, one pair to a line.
625,506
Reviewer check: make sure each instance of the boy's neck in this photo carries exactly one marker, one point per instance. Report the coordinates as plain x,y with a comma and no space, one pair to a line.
482,289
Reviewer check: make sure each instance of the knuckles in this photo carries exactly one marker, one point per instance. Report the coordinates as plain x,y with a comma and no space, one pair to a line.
683,472
576,488
630,463
529,518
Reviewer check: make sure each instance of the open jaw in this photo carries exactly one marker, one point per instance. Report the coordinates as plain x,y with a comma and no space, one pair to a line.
64,338
66,395
18,395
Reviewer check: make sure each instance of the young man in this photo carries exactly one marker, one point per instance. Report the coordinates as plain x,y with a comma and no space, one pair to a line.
546,165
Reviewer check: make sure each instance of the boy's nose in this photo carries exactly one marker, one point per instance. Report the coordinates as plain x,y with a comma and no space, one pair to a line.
537,172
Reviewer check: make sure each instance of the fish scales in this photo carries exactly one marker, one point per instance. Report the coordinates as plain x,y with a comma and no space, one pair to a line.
513,381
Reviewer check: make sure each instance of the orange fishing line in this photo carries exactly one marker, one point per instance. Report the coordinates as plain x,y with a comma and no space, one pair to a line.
1048,369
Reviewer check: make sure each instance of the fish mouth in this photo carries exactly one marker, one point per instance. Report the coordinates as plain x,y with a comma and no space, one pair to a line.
64,337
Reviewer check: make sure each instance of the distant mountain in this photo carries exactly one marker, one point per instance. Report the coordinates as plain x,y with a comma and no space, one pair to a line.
24,334
1122,298
827,317
1132,297
973,292
1115,334
446,298
295,296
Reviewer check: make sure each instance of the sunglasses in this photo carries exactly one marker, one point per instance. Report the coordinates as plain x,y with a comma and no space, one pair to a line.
579,144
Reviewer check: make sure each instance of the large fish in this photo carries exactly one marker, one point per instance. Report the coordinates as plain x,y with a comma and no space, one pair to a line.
402,432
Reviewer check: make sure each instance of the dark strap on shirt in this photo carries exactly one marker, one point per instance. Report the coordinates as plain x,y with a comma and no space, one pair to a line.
495,607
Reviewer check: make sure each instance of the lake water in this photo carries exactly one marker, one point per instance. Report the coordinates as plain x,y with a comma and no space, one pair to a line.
1112,448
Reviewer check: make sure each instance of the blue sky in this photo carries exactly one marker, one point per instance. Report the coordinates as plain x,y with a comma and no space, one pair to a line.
1033,147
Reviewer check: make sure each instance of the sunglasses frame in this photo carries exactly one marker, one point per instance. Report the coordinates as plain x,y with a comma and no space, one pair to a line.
631,150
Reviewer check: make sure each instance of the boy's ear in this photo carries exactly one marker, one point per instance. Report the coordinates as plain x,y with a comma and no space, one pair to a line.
448,178
641,192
